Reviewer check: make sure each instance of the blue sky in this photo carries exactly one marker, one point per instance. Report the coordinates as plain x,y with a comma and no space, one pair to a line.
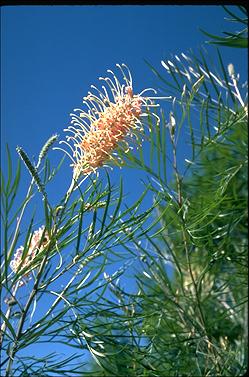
52,54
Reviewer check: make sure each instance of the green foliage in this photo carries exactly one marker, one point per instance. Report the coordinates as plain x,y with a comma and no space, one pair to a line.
54,294
237,39
189,315
187,312
205,308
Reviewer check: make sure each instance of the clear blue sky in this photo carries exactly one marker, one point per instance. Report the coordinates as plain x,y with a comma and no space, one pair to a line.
52,54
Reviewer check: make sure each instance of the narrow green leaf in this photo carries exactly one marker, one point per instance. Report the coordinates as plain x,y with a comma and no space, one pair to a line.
244,21
81,212
8,324
9,164
238,43
106,205
225,76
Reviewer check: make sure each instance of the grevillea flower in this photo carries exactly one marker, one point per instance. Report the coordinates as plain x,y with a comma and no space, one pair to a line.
38,242
112,120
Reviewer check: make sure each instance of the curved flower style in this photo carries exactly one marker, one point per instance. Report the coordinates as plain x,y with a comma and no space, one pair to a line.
112,120
35,247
